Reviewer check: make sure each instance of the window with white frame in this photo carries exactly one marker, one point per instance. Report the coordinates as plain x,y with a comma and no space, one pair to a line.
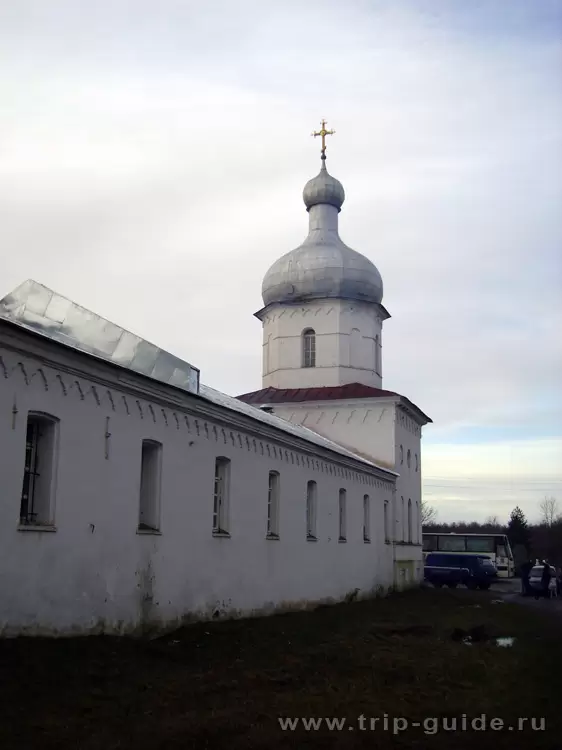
410,521
221,495
309,348
401,454
377,356
273,506
311,491
402,518
386,524
342,512
150,482
409,458
37,505
366,518
417,523
416,462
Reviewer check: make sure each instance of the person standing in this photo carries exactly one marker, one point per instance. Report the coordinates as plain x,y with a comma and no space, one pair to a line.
545,580
525,573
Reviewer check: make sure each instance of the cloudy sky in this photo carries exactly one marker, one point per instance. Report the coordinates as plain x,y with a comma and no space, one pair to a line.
152,160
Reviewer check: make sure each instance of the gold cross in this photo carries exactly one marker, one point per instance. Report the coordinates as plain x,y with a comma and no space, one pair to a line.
323,133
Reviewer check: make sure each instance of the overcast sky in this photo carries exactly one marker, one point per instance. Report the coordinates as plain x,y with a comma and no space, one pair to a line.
152,160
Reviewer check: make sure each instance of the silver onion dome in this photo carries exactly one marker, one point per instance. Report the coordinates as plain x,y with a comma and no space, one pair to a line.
323,189
323,266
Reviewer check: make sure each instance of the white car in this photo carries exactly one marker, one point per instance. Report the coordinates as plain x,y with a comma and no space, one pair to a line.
535,580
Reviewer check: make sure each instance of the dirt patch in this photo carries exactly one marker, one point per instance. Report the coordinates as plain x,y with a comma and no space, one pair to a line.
407,630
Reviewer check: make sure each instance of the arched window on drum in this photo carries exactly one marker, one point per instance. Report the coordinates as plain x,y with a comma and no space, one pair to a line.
309,348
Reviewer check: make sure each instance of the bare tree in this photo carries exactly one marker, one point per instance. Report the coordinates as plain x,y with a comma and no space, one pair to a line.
428,513
492,521
549,509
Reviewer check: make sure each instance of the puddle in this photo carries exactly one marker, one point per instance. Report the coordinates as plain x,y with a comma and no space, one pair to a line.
501,642
505,642
480,634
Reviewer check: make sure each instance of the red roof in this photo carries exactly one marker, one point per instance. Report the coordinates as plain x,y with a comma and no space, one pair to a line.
330,393
292,395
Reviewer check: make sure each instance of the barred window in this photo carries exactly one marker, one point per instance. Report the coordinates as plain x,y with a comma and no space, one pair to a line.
39,476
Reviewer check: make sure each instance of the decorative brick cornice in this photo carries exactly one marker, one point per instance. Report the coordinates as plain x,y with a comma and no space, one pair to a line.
110,399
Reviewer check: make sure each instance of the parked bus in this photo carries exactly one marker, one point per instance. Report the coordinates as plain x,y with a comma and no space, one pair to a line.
495,546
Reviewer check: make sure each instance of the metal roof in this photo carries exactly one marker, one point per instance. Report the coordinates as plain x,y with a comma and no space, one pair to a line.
267,396
42,310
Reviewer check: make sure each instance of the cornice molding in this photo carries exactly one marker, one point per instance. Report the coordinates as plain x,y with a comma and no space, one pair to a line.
113,390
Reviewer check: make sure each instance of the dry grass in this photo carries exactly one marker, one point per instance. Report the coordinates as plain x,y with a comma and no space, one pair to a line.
225,684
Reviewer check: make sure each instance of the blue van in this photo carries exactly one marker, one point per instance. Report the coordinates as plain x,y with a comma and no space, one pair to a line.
473,571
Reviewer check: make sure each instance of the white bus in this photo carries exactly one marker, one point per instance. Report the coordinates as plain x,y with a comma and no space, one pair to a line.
495,546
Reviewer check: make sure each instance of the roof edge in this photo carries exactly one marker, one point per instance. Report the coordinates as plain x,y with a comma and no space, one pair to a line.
391,396
299,302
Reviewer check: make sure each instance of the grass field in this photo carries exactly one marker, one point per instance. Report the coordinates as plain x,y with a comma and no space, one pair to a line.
224,684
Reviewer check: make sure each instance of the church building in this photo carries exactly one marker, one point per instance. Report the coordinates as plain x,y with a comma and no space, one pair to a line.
135,497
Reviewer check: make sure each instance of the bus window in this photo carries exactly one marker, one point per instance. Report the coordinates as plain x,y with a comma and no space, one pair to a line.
429,542
480,544
452,543
501,550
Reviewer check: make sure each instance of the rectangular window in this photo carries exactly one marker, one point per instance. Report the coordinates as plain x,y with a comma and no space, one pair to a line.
480,544
38,490
429,542
273,506
409,521
342,515
386,525
452,543
311,510
221,495
366,519
151,471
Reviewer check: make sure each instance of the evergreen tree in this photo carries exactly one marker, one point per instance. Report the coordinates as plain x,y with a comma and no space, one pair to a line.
518,530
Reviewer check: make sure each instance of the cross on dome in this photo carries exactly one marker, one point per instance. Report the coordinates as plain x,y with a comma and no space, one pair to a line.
323,133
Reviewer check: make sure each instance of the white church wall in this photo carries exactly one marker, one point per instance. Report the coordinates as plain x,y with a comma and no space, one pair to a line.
94,571
408,464
408,488
348,344
376,429
363,426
